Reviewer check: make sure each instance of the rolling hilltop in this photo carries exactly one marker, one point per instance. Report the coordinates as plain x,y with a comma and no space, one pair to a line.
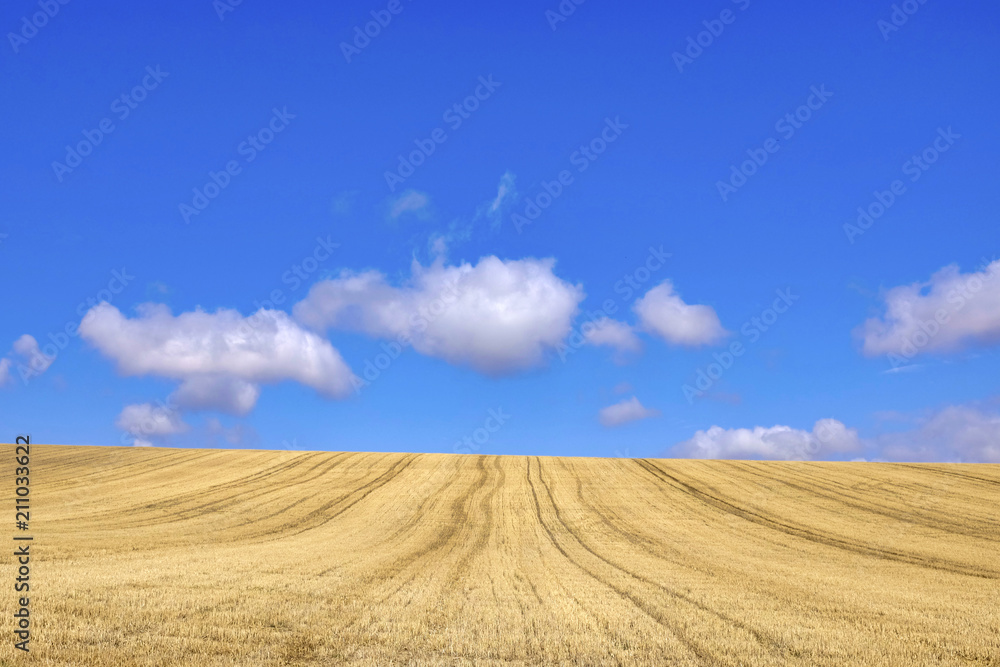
180,557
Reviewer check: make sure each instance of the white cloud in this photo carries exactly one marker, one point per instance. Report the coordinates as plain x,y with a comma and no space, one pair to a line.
216,352
506,196
611,333
828,436
496,316
962,433
224,393
625,411
947,313
147,422
959,433
34,361
662,312
410,201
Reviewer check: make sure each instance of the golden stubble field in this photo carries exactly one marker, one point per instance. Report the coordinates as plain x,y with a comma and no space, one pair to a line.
203,557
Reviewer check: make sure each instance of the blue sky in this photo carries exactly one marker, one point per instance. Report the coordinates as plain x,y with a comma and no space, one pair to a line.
645,128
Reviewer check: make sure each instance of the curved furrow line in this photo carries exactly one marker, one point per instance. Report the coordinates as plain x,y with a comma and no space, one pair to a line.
962,502
951,473
598,619
943,524
444,536
826,539
901,487
451,533
413,559
230,534
318,517
253,478
77,459
656,550
534,589
114,477
643,542
483,514
407,527
769,642
252,493
699,652
112,474
450,536
136,513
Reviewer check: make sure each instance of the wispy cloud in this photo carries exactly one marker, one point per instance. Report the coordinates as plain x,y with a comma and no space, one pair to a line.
614,334
625,411
495,209
409,202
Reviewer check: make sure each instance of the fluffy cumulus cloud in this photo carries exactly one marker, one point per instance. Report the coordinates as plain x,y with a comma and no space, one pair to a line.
662,312
949,312
145,422
828,438
410,201
31,361
220,358
623,412
496,316
959,433
224,393
611,333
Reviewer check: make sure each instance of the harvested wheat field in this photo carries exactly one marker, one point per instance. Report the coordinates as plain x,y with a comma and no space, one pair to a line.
201,557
